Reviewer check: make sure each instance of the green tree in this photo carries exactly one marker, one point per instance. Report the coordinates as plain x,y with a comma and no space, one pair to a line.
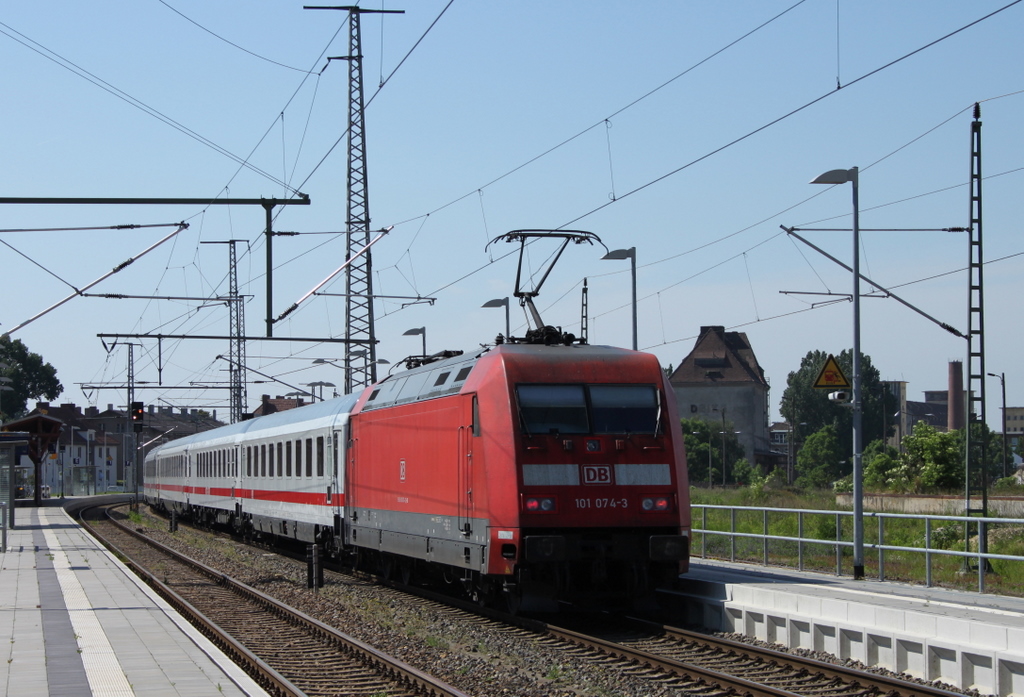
743,472
30,378
817,463
879,461
932,460
699,436
803,403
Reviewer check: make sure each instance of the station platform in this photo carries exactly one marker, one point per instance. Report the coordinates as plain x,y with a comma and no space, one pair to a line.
74,621
967,640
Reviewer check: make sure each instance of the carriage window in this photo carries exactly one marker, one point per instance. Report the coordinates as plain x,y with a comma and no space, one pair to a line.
263,460
298,458
280,460
319,456
309,457
624,408
270,451
248,461
288,459
553,408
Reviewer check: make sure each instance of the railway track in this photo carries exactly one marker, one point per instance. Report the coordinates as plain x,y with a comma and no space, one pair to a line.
286,651
765,671
701,664
671,660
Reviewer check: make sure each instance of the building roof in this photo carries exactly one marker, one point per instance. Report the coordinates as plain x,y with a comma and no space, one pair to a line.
106,425
272,405
719,357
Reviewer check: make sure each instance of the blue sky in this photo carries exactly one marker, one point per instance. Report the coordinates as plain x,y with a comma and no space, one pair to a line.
462,148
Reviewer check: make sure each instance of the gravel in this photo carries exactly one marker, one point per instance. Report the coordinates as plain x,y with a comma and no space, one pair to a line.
479,657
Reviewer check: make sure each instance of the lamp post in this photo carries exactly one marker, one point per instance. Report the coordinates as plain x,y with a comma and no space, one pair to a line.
348,374
321,384
697,433
631,255
842,176
418,331
724,433
1002,383
500,302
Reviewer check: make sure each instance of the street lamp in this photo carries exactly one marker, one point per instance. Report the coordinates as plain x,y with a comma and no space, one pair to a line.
723,451
321,384
500,302
710,435
348,369
1002,383
422,331
842,176
631,255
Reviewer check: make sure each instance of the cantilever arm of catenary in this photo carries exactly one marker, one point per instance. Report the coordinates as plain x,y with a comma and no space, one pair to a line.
334,273
889,293
128,262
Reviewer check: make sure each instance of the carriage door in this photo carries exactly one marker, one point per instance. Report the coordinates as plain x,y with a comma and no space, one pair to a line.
465,493
340,438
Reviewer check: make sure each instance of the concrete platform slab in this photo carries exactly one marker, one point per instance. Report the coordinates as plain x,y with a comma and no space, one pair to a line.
74,621
964,639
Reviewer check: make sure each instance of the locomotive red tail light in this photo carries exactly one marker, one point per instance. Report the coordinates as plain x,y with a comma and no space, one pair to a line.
540,504
656,504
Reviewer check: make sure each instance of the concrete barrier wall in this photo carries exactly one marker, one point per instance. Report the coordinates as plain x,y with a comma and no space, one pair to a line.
998,506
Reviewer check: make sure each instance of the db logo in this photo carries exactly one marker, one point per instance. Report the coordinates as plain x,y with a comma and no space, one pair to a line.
597,474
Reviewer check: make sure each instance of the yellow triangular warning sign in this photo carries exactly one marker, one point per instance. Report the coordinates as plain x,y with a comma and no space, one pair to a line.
831,376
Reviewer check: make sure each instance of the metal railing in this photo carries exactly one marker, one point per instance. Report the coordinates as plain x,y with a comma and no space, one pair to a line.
782,545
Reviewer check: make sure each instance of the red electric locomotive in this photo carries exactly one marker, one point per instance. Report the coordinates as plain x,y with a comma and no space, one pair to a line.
533,471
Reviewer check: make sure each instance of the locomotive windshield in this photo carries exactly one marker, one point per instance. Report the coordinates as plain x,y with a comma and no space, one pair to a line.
568,409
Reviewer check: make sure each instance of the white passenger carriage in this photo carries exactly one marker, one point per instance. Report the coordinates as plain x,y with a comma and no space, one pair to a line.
278,474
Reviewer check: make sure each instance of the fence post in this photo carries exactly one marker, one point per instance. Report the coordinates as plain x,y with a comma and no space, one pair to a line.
3,526
732,537
704,535
764,547
800,540
927,552
839,547
881,552
982,560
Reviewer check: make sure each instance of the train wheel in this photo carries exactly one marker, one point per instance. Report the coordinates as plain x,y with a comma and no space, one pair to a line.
405,570
387,567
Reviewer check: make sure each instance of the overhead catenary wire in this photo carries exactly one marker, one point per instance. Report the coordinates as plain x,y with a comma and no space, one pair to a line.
116,269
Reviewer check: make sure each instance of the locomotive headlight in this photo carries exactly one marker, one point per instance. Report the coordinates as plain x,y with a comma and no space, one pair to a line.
540,504
656,504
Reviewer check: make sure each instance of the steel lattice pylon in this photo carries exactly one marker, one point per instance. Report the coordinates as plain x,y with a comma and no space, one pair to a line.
360,365
236,351
976,475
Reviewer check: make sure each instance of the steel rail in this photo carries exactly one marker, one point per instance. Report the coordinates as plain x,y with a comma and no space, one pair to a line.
388,665
885,684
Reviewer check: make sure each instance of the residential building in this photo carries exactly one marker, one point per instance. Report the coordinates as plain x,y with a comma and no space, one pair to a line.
721,382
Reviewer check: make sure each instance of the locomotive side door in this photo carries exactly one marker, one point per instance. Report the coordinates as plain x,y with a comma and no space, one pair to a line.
464,494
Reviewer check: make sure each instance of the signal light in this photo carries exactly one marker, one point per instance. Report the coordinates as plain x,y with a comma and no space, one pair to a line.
540,504
137,412
655,504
